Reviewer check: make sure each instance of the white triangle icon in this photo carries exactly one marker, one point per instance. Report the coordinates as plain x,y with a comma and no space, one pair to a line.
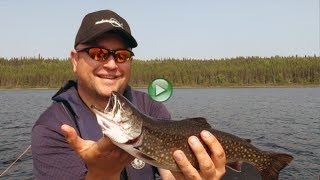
159,90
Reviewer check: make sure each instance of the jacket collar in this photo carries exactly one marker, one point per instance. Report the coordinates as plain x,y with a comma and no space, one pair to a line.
85,119
72,84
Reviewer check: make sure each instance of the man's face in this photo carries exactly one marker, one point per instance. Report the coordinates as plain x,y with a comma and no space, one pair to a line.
98,78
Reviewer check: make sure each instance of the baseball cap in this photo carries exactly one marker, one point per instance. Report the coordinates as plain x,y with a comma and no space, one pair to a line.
96,23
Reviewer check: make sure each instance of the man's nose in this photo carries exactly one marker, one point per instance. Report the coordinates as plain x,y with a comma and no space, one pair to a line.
110,62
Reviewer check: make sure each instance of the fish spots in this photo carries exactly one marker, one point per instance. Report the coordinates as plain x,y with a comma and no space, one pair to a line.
160,139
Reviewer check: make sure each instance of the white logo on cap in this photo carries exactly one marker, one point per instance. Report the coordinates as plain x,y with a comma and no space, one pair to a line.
112,21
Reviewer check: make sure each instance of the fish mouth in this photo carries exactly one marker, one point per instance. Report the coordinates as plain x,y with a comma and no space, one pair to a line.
136,142
112,106
111,110
117,121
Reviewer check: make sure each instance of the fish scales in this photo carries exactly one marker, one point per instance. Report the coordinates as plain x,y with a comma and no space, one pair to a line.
154,141
167,136
238,149
176,136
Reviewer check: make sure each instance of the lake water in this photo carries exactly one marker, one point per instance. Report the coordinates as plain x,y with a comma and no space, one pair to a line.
278,119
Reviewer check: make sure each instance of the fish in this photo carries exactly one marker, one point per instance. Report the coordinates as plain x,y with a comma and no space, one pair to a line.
154,140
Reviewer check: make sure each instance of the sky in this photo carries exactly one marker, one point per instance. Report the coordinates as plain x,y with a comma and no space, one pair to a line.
204,29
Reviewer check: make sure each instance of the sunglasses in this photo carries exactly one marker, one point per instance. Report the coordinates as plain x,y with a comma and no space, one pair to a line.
101,54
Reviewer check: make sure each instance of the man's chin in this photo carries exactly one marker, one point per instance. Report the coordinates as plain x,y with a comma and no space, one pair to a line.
110,82
105,94
106,91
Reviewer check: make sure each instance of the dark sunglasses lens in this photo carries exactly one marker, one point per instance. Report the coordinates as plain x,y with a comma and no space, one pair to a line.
123,56
98,54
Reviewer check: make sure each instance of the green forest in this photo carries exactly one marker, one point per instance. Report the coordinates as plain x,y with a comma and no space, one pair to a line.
41,72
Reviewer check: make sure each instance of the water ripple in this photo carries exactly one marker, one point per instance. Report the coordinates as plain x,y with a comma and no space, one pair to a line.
276,119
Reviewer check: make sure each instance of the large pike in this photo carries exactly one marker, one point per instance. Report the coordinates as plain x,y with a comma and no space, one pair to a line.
153,140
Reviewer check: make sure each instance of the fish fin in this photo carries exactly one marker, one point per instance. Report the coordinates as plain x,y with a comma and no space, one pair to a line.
147,159
279,161
235,166
199,122
248,140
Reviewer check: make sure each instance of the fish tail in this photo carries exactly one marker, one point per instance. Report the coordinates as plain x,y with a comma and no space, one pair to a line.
278,162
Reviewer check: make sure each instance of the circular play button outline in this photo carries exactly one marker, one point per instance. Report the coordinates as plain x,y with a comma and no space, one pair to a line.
160,89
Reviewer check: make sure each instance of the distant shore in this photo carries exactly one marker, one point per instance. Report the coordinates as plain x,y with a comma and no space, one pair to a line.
240,72
178,87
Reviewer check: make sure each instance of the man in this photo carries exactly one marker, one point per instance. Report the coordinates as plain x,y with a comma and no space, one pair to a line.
67,142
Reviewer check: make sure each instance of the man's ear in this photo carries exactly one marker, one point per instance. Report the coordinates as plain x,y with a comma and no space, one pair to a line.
74,58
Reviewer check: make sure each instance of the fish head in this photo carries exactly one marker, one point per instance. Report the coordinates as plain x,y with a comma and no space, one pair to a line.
120,120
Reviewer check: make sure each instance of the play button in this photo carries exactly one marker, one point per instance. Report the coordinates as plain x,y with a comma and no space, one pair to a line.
160,90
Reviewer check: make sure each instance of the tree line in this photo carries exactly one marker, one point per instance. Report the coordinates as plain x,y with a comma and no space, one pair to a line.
39,72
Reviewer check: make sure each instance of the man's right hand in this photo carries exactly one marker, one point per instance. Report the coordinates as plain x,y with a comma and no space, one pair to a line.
104,160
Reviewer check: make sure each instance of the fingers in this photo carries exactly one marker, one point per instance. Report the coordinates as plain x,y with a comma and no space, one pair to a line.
217,153
105,144
211,167
186,168
102,158
72,137
207,167
177,175
167,175
104,147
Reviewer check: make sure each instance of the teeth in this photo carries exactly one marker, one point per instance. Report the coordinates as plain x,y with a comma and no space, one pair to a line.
108,76
114,108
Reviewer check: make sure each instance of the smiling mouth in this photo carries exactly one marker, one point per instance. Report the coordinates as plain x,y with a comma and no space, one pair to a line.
108,77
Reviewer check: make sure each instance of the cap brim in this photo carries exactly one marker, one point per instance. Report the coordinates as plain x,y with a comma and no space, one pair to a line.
125,35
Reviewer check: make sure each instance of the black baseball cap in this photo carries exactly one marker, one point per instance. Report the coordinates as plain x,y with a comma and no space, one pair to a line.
96,23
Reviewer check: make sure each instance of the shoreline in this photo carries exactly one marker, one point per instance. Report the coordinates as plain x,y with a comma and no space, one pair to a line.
180,87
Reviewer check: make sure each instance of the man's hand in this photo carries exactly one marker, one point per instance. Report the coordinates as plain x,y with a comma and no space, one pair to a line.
103,159
211,166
